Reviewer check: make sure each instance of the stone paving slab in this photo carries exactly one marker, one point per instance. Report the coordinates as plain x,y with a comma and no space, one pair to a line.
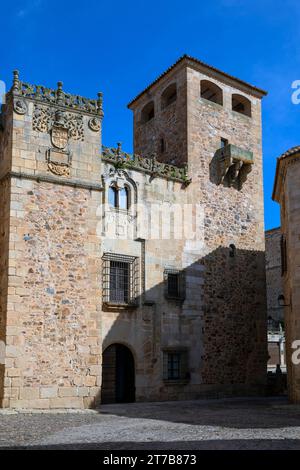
209,424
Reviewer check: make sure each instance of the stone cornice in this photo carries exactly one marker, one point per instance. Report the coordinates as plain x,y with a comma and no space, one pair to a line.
52,179
149,165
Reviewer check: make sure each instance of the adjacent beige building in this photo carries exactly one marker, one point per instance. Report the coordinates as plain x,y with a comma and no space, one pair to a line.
133,277
287,194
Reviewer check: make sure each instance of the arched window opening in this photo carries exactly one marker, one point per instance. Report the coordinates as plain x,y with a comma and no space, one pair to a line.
169,95
147,112
113,196
123,199
232,250
241,105
212,92
119,198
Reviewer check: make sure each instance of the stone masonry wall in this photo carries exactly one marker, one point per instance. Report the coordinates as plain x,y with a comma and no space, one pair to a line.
290,223
234,302
57,327
230,297
273,273
53,343
157,323
168,123
5,153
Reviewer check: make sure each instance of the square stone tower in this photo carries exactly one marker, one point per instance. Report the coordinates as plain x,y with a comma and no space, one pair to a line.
197,115
50,172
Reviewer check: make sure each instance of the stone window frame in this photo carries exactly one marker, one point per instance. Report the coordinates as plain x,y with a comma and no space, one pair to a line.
168,96
181,284
184,373
133,279
148,112
117,190
213,87
121,180
243,103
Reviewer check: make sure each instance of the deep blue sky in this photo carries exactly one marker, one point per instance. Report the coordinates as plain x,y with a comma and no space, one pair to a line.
119,47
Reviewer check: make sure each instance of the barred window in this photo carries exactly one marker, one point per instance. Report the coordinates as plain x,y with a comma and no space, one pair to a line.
174,284
120,279
176,365
119,282
283,255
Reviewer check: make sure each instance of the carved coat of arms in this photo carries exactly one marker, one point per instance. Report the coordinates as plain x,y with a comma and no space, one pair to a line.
59,136
59,157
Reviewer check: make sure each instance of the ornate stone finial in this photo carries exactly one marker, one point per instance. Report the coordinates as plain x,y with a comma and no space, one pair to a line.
99,103
59,93
16,81
119,149
59,118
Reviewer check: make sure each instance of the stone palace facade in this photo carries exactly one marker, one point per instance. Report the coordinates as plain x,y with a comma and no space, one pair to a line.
108,294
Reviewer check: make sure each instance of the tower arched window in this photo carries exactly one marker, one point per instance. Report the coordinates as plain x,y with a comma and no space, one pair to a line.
169,95
211,92
147,112
241,104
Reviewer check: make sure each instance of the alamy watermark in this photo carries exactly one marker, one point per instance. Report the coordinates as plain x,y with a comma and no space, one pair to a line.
165,221
296,94
296,353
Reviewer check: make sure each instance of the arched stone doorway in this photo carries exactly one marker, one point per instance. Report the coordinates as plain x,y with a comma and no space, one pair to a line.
118,375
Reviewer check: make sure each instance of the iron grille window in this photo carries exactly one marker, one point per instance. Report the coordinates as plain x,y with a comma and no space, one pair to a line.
176,365
120,279
174,284
119,282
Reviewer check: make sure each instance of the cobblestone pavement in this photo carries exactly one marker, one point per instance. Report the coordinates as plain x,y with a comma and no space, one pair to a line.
203,424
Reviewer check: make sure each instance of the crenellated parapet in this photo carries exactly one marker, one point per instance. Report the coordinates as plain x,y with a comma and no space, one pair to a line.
150,165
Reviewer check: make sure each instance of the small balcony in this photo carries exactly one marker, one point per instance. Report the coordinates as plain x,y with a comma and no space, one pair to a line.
233,164
234,152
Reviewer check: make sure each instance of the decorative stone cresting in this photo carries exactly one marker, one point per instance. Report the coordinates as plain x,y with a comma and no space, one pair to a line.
57,97
149,165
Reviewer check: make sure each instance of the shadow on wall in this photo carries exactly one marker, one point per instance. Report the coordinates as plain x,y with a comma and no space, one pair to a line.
219,330
221,325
